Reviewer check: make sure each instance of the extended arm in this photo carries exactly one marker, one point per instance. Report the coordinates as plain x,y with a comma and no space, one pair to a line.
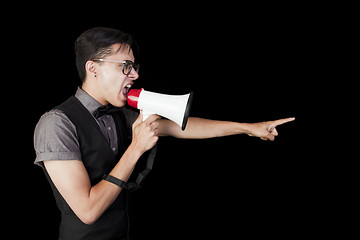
205,128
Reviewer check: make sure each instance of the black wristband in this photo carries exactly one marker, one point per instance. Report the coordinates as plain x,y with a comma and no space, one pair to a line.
115,181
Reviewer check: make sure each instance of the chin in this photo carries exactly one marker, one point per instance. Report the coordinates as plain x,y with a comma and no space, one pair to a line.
120,102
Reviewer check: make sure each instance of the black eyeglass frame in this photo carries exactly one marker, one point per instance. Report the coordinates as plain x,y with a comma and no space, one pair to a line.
124,63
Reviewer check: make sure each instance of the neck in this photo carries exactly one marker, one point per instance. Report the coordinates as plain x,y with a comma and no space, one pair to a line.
93,92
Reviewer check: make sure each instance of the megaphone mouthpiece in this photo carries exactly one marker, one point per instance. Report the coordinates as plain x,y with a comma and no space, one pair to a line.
133,97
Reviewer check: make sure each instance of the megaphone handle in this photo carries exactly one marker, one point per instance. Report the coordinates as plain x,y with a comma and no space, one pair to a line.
146,114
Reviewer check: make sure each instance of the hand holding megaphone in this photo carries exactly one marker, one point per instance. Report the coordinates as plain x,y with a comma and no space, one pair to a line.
173,107
145,138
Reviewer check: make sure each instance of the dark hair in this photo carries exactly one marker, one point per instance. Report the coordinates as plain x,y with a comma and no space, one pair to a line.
96,43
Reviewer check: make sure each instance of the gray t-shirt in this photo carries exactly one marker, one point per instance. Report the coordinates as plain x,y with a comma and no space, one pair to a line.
55,136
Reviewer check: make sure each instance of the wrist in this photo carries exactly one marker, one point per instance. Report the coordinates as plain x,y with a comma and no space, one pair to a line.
134,151
244,128
126,164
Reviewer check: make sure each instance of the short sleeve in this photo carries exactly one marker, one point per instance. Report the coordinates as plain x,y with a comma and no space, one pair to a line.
55,138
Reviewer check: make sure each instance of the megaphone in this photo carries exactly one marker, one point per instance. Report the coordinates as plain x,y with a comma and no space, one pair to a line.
173,107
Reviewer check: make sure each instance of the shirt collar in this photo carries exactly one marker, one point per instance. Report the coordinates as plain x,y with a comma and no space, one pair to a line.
89,102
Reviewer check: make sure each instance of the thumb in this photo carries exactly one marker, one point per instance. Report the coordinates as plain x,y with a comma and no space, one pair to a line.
268,137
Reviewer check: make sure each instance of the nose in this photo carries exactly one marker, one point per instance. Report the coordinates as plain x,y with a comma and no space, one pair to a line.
133,75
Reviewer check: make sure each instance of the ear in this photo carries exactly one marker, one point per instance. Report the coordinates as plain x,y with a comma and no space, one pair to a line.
90,68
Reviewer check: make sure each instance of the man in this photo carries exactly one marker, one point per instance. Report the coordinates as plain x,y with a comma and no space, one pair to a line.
88,156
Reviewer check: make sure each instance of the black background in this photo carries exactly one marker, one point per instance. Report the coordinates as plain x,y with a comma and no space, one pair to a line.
244,64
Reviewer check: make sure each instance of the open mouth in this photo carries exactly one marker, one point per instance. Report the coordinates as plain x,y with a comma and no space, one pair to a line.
126,89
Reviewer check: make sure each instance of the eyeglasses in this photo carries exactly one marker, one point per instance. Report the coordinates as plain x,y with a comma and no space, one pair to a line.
126,65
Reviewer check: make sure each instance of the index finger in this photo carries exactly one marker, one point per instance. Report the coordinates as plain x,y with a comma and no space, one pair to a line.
282,121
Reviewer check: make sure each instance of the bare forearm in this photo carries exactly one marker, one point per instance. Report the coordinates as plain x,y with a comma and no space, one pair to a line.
103,194
144,138
199,128
204,128
72,179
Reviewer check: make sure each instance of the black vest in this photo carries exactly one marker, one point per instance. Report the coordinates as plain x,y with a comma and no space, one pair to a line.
98,159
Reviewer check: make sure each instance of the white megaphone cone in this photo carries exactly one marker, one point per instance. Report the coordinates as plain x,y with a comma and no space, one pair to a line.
173,107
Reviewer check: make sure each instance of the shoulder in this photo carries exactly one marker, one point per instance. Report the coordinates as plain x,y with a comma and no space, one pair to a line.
52,120
55,138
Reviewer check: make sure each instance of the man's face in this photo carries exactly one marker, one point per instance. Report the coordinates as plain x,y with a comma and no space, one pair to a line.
112,84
